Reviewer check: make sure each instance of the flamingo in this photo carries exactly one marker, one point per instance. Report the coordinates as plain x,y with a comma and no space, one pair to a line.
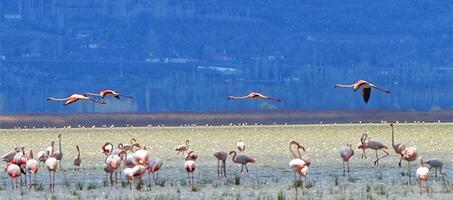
240,146
297,163
112,164
141,156
107,148
398,147
77,160
8,157
31,165
128,147
373,144
74,98
135,173
242,159
221,168
366,88
190,166
254,95
21,160
423,175
437,164
59,153
346,153
42,157
409,154
182,148
104,93
154,166
13,172
52,165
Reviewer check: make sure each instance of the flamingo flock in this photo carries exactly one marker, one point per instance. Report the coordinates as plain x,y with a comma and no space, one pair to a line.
133,161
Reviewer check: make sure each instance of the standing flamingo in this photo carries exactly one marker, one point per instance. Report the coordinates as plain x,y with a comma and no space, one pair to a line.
52,165
154,166
423,175
437,164
297,164
366,88
221,168
182,148
13,172
104,93
74,98
240,146
32,165
373,144
190,166
409,154
8,157
77,160
42,157
254,95
398,147
242,159
59,153
346,153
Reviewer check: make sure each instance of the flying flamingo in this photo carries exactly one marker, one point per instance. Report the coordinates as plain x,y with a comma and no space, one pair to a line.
104,93
74,98
366,88
346,153
409,154
77,160
254,95
372,144
59,153
398,147
32,165
13,171
52,165
436,164
221,168
182,148
242,159
189,165
241,146
153,167
423,175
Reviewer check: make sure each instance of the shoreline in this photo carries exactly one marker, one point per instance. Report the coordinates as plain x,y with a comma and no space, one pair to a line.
219,118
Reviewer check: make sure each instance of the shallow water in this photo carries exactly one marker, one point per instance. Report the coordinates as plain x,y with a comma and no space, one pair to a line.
269,178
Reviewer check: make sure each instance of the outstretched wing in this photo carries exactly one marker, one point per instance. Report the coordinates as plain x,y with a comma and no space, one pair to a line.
366,94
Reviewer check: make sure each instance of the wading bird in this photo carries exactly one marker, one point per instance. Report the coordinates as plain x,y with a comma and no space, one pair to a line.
409,154
104,93
190,166
52,165
74,98
77,160
182,148
153,168
423,175
372,144
297,164
366,88
32,165
398,147
437,164
242,159
346,153
42,157
221,163
13,172
8,157
254,95
240,146
59,153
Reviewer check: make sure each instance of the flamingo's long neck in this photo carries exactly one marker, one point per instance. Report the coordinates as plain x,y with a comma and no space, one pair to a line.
30,154
344,86
393,137
234,155
187,144
57,99
78,152
59,145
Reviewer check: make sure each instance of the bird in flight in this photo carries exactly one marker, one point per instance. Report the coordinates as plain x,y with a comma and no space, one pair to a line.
104,93
74,98
254,95
366,88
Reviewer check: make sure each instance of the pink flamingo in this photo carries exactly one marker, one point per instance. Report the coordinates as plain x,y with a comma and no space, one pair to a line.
221,168
21,160
52,165
74,98
104,93
372,144
8,157
154,166
240,146
32,165
346,153
42,157
135,173
182,148
254,95
437,164
366,88
13,171
398,147
409,155
297,163
423,175
112,164
190,166
242,159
